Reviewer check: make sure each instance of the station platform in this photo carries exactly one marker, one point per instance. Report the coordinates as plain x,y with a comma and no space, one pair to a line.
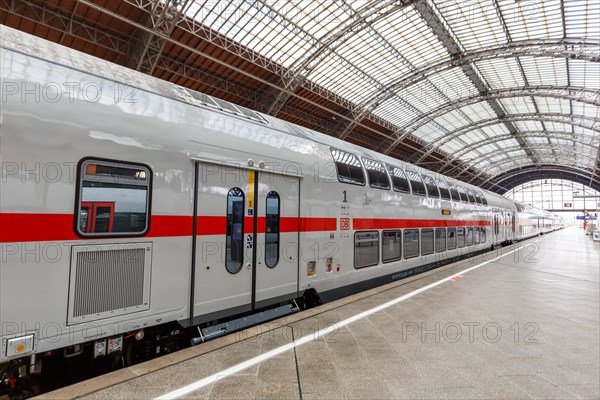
520,322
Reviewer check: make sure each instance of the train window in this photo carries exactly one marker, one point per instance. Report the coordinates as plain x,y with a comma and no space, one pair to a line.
272,230
462,193
235,231
460,237
348,166
451,238
477,197
470,196
399,179
113,199
469,238
366,249
444,191
411,243
432,188
416,182
377,175
483,199
391,246
454,192
440,240
427,241
482,234
476,235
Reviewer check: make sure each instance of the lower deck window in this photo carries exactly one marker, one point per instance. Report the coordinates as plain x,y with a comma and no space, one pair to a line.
440,240
483,235
427,241
411,243
469,240
476,231
460,237
451,238
391,246
366,249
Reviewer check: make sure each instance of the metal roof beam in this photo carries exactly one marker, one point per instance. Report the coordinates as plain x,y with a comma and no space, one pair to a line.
576,120
526,134
578,94
42,15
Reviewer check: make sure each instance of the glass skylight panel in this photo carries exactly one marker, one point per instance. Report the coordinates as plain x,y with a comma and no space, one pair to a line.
430,133
399,28
587,110
333,75
536,140
396,111
475,24
501,73
454,84
532,20
545,71
532,126
424,96
479,111
507,143
518,105
495,130
553,105
585,74
583,18
453,146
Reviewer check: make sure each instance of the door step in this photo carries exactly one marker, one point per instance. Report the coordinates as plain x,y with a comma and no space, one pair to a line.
222,329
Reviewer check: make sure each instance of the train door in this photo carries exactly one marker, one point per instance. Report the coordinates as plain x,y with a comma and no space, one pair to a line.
244,224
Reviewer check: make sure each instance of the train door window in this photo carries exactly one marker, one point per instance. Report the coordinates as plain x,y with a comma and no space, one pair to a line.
427,241
113,199
476,235
416,182
470,196
411,243
496,224
469,237
348,166
377,174
432,188
444,191
483,234
366,249
451,238
399,179
453,192
460,237
514,222
272,230
462,193
391,246
235,231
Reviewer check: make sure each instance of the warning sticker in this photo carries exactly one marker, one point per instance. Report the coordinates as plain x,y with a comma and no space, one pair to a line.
249,241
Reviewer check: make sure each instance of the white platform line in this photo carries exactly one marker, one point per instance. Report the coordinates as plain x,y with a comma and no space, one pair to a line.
314,336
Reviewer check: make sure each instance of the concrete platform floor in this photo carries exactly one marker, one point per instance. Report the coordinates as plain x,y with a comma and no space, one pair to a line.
526,325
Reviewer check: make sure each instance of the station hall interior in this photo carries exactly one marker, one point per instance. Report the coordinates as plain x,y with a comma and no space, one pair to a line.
325,199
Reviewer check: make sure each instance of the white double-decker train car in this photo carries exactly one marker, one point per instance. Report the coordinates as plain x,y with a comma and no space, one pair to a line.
133,209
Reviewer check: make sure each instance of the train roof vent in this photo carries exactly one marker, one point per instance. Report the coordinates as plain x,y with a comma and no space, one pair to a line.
222,105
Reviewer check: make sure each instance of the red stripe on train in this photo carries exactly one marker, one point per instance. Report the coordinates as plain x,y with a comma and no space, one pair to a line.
373,223
23,227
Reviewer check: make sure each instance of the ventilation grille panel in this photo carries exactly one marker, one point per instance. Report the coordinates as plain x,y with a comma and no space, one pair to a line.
108,281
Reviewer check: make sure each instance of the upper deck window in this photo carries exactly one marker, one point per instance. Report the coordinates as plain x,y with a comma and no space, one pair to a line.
377,175
416,182
399,179
462,192
444,191
471,196
453,192
348,166
432,188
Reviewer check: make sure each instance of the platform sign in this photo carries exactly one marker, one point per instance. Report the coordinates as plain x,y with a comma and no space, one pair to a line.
581,217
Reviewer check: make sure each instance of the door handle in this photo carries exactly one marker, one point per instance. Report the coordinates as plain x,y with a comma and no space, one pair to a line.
249,265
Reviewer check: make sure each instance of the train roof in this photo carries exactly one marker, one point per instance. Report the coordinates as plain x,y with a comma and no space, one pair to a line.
33,46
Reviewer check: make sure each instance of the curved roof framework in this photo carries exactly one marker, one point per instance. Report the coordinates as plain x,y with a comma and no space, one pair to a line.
479,91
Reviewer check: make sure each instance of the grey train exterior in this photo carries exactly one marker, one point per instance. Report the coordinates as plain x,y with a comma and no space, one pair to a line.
128,202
